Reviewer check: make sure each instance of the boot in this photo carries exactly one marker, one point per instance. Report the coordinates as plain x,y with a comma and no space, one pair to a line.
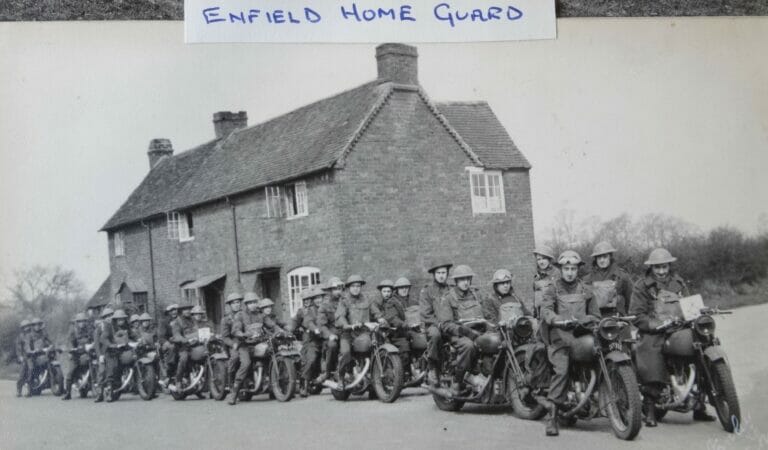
68,390
321,378
100,397
551,427
700,414
235,392
433,374
304,388
457,386
650,412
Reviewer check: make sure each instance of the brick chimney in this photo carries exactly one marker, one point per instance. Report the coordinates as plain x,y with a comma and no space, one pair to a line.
398,63
225,122
157,149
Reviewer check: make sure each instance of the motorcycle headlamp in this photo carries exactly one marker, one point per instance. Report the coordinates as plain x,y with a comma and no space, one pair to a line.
610,329
522,327
705,325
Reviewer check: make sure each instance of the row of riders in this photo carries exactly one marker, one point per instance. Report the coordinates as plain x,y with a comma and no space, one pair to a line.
584,347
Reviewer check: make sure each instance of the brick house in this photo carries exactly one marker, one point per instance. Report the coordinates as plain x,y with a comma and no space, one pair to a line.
376,180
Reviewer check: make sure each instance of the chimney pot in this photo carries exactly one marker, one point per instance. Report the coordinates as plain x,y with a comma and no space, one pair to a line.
398,63
157,149
225,122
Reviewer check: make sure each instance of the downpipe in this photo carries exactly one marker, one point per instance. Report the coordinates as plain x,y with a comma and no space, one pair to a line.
681,391
587,394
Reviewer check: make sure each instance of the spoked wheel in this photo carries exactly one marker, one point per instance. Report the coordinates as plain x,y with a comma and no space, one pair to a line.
523,404
387,376
726,401
147,382
218,381
57,381
282,379
624,408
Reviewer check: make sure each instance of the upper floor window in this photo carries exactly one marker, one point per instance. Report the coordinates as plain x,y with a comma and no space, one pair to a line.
274,205
180,226
288,201
487,191
119,241
299,279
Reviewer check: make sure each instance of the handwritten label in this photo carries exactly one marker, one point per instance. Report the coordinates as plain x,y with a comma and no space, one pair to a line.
340,21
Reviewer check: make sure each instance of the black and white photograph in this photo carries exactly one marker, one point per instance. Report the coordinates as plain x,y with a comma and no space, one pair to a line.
539,243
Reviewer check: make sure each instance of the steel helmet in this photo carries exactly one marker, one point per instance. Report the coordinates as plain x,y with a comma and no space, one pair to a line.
233,297
24,323
402,282
438,263
333,282
462,271
660,256
501,276
265,302
544,250
315,292
134,318
385,283
355,279
119,314
81,317
307,293
144,317
250,297
602,248
171,307
569,257
106,312
185,306
197,310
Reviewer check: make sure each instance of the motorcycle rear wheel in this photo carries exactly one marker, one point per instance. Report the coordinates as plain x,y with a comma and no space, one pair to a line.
282,379
727,404
147,382
387,376
218,380
625,411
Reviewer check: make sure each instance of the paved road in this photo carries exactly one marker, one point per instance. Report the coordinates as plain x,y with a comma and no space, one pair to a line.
411,422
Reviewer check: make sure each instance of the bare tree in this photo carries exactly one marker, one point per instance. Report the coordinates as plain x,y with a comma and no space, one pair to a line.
39,290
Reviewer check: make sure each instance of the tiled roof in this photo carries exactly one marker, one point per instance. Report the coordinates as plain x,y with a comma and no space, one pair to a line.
306,140
476,123
103,295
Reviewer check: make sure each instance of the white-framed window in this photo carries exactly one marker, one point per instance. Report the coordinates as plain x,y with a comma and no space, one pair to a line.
296,200
299,279
486,190
180,226
190,296
119,239
272,196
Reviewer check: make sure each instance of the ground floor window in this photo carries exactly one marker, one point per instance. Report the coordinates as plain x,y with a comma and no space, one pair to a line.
299,279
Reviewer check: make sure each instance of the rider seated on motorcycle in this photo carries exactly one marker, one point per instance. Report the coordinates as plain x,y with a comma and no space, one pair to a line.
167,347
611,285
377,303
114,333
326,321
312,338
21,346
133,323
394,313
245,322
354,309
182,327
462,302
271,324
546,274
233,303
79,336
651,304
566,299
38,340
98,330
146,332
429,299
198,317
502,293
296,325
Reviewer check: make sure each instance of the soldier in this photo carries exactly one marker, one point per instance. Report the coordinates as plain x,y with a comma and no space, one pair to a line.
79,336
99,329
166,344
502,293
394,314
546,274
234,301
133,323
611,285
243,327
114,332
181,327
146,333
377,305
295,325
326,320
22,342
565,299
271,324
654,302
312,339
429,299
354,309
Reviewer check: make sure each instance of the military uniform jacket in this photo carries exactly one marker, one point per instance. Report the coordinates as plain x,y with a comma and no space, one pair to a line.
429,300
111,334
377,307
310,322
326,317
297,322
459,305
564,301
79,337
647,298
492,305
620,277
227,322
180,328
394,314
20,345
353,310
37,340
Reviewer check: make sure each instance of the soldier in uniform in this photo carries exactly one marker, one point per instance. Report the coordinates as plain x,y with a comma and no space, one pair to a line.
296,324
326,321
546,273
133,323
377,304
243,328
233,302
146,332
354,308
394,314
565,299
429,299
611,285
99,329
182,326
114,332
655,303
21,344
166,343
79,336
462,302
502,293
312,339
271,324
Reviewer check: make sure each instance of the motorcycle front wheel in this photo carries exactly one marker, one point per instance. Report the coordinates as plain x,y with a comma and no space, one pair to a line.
387,376
57,381
147,382
726,402
218,380
282,379
625,409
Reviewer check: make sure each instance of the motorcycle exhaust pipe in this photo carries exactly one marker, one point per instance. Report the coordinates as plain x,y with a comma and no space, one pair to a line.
195,380
127,381
587,395
681,393
361,375
258,374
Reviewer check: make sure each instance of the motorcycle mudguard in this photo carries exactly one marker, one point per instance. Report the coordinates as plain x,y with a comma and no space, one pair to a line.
289,353
617,357
55,363
389,348
715,353
220,356
147,360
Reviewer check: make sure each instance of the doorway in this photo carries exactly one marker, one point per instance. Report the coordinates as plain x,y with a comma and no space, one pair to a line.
269,280
214,307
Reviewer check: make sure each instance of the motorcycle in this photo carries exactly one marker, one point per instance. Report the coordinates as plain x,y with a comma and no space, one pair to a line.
418,343
137,363
46,371
196,377
601,379
83,378
382,377
217,367
698,365
273,368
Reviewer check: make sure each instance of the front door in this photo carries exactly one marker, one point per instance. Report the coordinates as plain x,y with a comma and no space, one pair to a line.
214,307
269,280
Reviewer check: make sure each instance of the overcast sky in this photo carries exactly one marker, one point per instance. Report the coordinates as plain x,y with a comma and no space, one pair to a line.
637,115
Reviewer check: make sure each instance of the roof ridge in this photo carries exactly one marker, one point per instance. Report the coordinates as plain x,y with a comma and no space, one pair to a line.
463,103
